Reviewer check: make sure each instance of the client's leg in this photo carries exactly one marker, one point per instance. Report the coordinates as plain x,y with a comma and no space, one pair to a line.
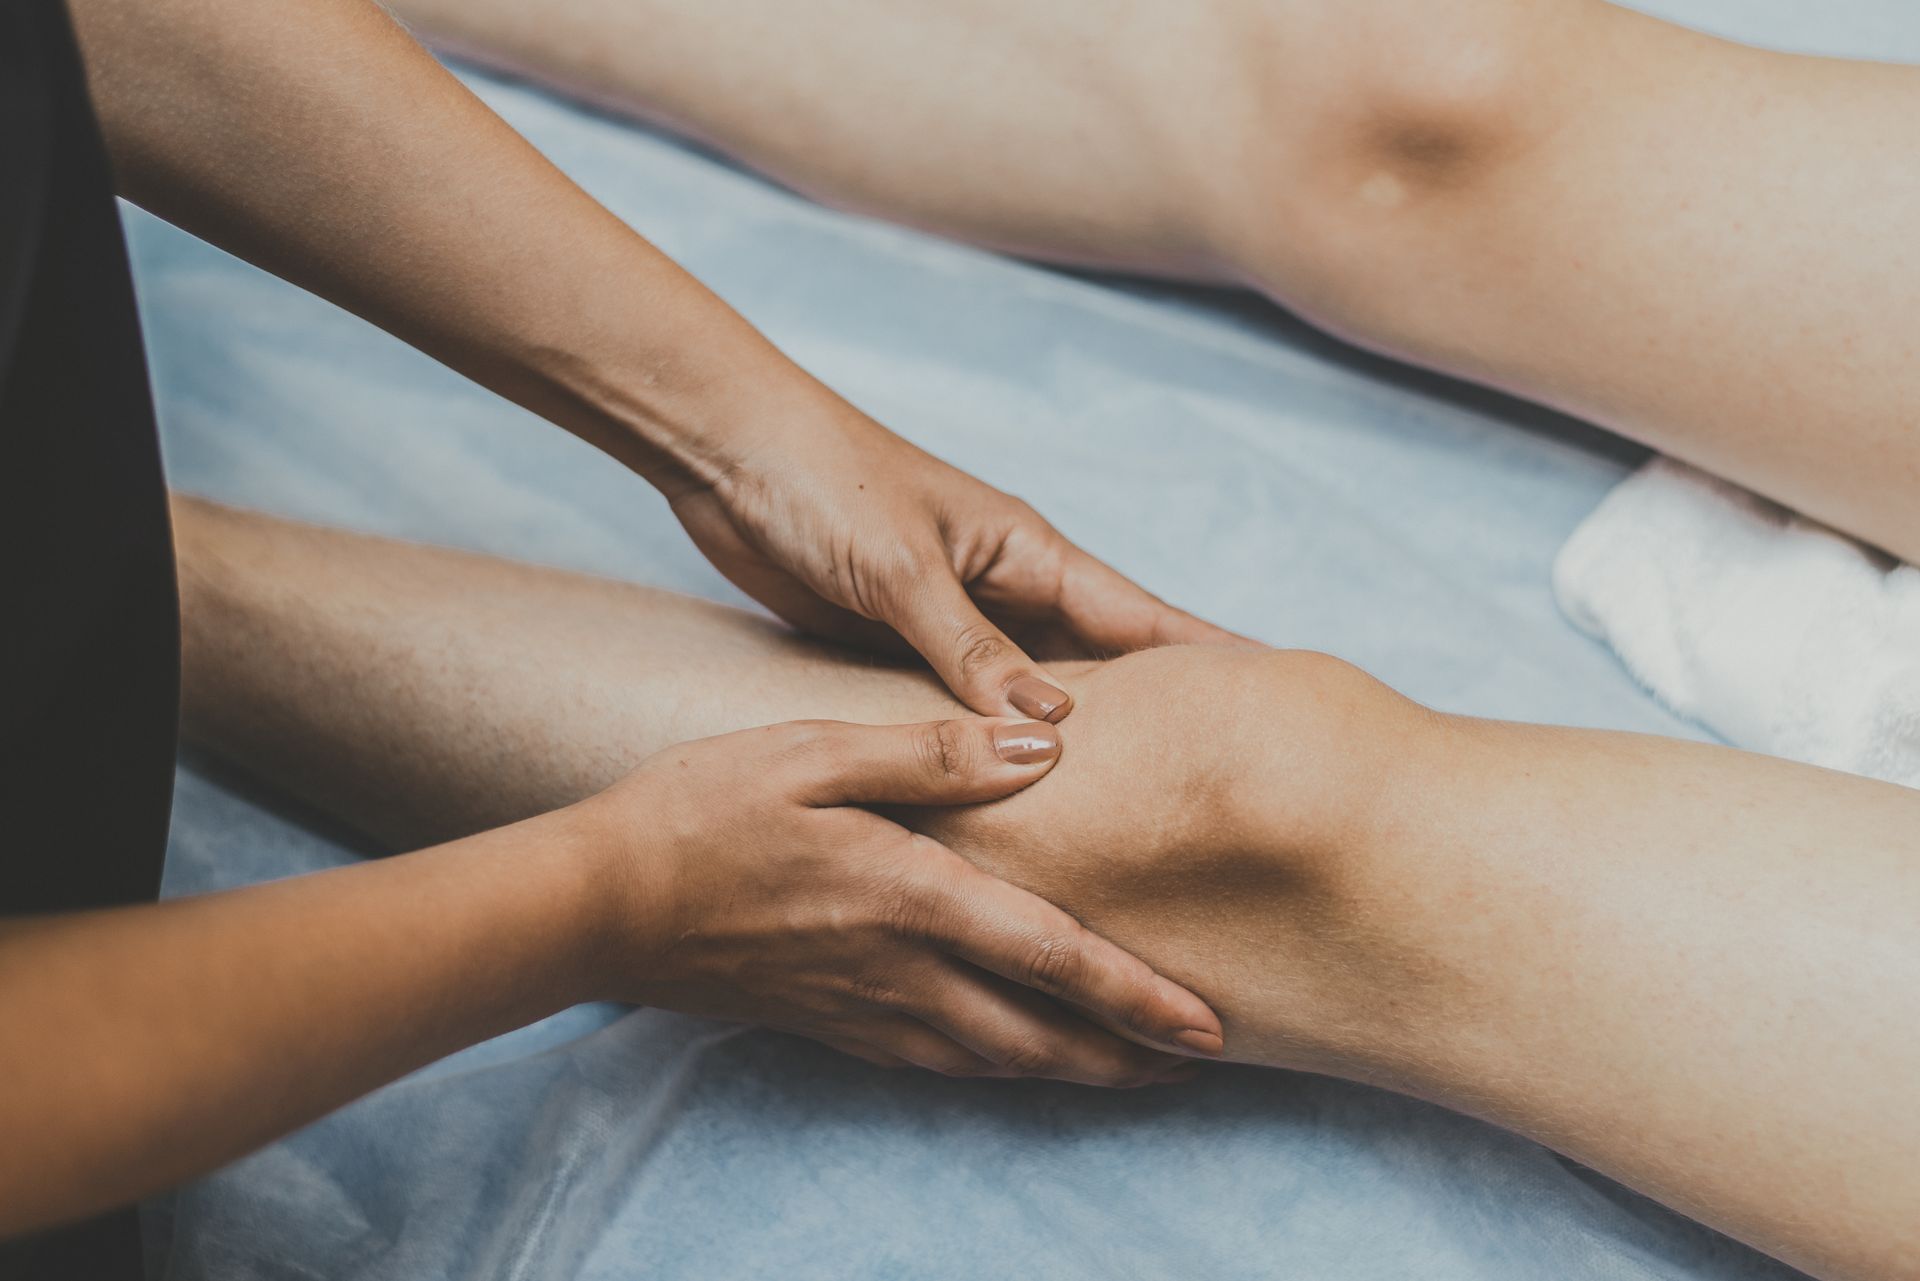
1704,246
1692,968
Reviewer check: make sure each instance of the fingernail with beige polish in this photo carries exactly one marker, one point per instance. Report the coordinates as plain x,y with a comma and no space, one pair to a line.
1035,698
1026,743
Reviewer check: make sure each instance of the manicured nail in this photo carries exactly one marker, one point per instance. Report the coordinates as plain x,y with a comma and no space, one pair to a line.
1035,698
1026,743
1207,1043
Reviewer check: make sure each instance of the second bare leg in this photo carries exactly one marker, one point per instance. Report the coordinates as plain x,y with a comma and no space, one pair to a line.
1691,968
1706,247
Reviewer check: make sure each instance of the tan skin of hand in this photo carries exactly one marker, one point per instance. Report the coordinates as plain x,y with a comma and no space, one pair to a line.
374,178
318,140
803,913
159,1037
847,531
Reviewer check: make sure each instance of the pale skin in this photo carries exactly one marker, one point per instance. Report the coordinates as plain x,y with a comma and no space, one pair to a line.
1690,967
1704,246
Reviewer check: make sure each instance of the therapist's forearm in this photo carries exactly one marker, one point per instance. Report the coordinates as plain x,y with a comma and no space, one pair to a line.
1706,247
144,1045
1078,130
316,139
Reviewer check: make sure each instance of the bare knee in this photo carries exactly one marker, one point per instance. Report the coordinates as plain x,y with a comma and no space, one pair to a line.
1383,135
1185,757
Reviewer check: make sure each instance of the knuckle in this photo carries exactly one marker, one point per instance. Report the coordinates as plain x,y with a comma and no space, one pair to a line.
910,907
1054,965
874,989
942,748
980,649
1029,1058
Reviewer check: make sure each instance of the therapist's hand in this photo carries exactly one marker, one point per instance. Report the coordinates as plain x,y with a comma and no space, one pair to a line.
846,530
748,886
387,187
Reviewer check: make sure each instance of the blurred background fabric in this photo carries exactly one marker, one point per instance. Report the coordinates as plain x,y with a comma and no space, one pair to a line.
1203,442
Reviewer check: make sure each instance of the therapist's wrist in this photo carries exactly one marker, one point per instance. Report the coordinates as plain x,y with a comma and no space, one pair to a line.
557,909
621,895
688,416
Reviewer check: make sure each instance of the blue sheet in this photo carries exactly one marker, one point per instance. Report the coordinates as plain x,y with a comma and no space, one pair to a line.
1396,519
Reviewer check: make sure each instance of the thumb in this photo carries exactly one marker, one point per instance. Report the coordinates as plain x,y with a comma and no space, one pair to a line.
954,762
984,669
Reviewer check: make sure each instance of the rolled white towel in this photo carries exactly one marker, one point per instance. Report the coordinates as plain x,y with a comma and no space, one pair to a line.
1768,628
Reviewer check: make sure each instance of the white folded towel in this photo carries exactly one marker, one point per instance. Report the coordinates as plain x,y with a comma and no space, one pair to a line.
1769,629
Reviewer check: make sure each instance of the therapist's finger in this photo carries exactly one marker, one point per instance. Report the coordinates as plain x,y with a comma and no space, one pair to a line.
951,762
1003,929
861,1050
1108,611
976,660
1028,1035
911,1041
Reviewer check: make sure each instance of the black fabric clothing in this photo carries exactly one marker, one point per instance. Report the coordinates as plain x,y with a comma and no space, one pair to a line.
89,709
